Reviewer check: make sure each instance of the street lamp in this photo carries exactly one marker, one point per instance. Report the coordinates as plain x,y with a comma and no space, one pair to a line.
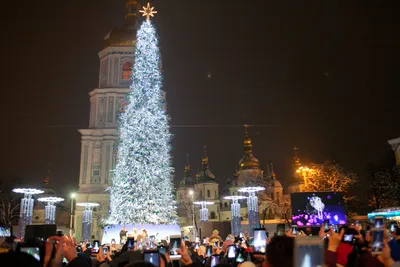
71,221
304,170
191,192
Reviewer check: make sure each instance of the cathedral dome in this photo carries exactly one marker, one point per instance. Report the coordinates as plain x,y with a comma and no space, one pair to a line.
126,35
123,36
275,183
248,161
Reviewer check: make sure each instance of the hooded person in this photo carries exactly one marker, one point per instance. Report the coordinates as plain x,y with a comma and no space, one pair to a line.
215,237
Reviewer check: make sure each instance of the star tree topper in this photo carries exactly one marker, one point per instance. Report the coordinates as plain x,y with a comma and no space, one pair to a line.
148,11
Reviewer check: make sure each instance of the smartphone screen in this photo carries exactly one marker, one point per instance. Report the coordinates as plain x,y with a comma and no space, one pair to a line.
378,222
153,257
105,250
294,229
377,241
208,251
309,252
326,226
96,246
197,239
260,240
214,260
280,229
231,251
335,228
174,245
348,238
112,241
393,227
240,234
196,246
240,257
162,249
34,251
131,243
204,240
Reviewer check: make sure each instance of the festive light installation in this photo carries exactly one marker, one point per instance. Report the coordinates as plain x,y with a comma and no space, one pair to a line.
317,204
252,206
235,212
203,209
50,208
142,189
26,208
87,219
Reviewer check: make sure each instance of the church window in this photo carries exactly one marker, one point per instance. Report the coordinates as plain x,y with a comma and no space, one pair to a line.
225,205
208,194
126,70
212,215
95,172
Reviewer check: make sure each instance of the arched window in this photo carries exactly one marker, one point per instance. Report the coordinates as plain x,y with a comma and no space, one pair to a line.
212,215
225,205
208,194
126,70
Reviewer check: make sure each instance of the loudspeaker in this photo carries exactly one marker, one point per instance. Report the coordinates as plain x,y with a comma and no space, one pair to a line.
42,231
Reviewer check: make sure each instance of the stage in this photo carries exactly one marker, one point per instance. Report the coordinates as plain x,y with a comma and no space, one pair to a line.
161,232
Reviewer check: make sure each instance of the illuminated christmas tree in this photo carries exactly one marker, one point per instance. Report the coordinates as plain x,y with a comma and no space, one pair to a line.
142,190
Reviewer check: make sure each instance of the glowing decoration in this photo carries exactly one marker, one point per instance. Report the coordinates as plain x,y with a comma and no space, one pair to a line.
235,211
203,209
50,208
142,190
87,219
252,206
26,208
148,12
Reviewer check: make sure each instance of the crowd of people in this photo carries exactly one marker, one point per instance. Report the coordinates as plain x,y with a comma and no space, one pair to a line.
282,250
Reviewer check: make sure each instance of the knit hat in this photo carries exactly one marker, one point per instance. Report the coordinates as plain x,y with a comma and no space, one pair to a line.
247,264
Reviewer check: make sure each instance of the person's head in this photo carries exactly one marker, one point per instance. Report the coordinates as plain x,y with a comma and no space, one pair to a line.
280,251
140,264
215,232
201,251
230,237
123,228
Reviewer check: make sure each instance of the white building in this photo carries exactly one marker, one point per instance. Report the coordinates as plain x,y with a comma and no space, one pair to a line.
107,101
206,188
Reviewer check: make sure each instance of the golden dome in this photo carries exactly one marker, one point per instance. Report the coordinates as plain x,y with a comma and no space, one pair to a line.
248,161
123,36
126,35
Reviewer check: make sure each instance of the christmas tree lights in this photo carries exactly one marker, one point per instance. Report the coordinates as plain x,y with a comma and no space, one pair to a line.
142,190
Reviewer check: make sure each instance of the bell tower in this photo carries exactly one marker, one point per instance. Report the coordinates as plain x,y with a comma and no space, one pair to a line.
107,102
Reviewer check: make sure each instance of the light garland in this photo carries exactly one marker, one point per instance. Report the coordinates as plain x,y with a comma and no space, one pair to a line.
141,190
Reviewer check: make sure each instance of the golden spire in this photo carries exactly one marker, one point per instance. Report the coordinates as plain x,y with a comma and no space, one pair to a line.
248,147
47,179
204,159
148,11
296,159
273,175
131,11
187,166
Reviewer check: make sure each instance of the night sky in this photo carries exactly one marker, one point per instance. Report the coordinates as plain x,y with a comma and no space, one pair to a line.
319,76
